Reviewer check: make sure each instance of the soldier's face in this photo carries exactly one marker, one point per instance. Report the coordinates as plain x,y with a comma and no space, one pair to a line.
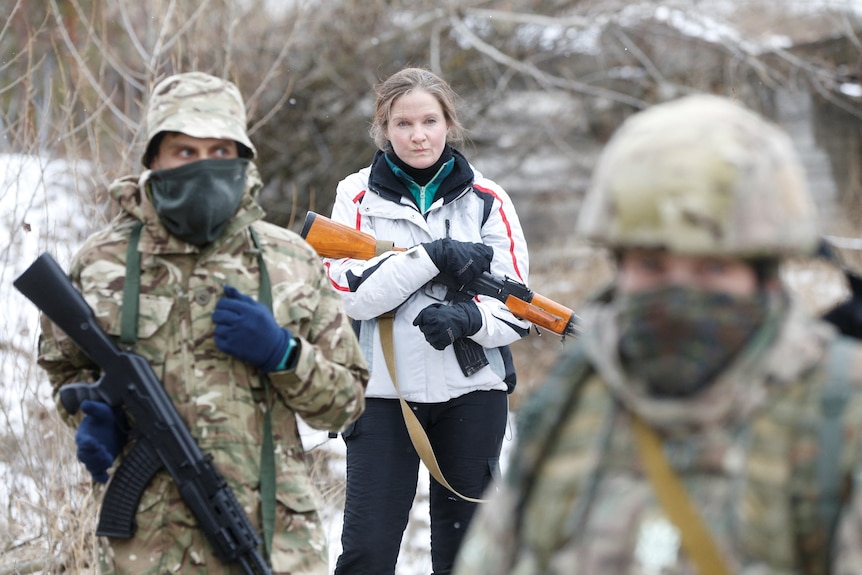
417,128
178,149
646,269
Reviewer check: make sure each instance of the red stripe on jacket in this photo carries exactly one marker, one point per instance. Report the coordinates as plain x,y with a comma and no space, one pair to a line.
508,230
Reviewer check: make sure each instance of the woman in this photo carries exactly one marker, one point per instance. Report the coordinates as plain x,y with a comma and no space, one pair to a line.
450,358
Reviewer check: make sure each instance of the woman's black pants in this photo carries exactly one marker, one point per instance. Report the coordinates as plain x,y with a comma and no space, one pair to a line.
466,434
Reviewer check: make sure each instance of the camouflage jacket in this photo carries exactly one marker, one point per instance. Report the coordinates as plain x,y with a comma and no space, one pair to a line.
219,397
576,500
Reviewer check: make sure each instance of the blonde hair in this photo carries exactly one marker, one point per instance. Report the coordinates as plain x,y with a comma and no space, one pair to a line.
404,82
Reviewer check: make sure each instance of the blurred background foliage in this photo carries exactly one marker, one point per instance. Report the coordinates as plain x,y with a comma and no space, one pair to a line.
74,74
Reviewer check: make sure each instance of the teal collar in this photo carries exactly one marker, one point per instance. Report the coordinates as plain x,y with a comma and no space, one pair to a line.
423,195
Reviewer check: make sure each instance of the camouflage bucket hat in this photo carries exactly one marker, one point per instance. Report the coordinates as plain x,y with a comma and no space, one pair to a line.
199,105
700,175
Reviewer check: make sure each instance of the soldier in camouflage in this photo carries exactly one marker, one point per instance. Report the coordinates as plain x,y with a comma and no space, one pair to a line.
704,424
224,358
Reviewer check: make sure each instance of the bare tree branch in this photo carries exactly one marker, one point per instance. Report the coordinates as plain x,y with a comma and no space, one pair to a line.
274,69
543,78
82,66
131,32
533,19
105,52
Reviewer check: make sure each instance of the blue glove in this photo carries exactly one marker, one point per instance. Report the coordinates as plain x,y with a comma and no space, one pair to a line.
443,324
99,438
247,330
464,261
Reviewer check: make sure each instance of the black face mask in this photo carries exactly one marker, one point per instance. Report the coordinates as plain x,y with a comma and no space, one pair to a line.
196,201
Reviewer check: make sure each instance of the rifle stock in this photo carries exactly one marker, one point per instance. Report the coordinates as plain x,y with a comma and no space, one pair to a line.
334,240
163,440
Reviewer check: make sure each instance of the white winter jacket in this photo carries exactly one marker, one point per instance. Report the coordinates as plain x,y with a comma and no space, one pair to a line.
472,209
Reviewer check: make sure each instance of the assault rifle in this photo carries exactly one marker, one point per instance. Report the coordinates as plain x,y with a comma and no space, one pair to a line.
163,440
334,240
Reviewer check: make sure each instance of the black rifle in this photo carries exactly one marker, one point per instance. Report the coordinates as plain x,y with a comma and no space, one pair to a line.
163,440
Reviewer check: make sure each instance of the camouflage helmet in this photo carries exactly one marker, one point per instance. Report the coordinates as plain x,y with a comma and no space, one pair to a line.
700,175
199,105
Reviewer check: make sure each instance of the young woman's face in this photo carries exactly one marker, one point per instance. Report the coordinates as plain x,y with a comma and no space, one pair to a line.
644,269
417,128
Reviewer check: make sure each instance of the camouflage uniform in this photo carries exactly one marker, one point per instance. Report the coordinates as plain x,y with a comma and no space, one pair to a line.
576,499
221,399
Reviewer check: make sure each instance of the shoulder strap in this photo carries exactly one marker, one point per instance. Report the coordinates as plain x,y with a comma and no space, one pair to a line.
131,288
267,447
539,420
546,408
129,336
816,493
414,427
673,497
833,402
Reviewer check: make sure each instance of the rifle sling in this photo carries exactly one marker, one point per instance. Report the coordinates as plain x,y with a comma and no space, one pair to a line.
267,447
129,336
417,434
131,288
833,402
674,499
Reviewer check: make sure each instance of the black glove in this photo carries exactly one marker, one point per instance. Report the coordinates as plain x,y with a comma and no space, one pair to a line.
443,324
464,261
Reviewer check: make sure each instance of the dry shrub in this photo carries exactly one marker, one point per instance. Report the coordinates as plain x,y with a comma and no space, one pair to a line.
47,523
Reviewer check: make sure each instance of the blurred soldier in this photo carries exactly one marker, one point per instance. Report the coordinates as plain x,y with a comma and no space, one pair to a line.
704,424
189,251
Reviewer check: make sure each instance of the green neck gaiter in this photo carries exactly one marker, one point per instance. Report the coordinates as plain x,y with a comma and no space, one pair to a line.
196,201
677,340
